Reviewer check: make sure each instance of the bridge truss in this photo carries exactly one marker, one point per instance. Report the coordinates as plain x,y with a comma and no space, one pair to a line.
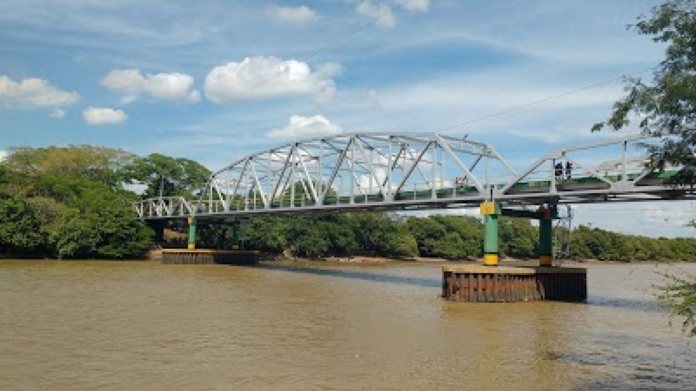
411,171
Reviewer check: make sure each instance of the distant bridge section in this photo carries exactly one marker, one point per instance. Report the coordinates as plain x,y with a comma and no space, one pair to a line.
411,171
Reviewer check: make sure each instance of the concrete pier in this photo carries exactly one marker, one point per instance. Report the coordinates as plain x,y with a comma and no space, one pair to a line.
509,284
207,257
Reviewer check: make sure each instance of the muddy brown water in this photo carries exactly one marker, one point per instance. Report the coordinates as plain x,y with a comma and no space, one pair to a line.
146,326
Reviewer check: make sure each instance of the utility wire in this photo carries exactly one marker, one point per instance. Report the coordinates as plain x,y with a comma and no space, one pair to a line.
544,100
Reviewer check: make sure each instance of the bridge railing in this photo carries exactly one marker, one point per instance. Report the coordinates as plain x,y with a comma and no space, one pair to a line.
164,207
423,173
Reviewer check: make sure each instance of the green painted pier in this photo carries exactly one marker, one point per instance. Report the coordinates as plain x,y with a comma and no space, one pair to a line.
193,256
494,283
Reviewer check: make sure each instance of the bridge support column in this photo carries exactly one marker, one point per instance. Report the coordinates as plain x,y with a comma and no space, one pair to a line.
545,237
192,233
236,234
490,211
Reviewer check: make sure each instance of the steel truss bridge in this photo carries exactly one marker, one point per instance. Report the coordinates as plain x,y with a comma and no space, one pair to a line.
412,171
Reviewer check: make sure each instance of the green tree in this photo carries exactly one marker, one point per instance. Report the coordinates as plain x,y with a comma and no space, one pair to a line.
666,108
20,229
437,237
307,239
100,224
267,234
167,175
518,238
68,203
470,231
100,164
679,294
74,236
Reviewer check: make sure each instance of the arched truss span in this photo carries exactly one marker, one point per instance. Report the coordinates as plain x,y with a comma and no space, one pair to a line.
354,169
382,171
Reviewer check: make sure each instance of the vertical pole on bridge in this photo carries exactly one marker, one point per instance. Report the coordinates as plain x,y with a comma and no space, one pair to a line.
192,233
545,237
490,211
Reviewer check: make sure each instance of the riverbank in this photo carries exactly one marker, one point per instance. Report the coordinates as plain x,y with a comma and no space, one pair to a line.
509,261
156,255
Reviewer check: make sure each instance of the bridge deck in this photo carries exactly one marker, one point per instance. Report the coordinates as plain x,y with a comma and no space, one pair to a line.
407,172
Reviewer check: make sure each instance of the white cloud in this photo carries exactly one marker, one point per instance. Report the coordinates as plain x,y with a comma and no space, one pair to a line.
653,219
57,114
293,15
381,13
32,93
270,77
306,127
130,84
415,5
3,155
103,116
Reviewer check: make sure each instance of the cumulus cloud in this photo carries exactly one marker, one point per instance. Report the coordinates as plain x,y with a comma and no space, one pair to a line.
173,87
270,77
293,15
33,93
306,127
57,114
103,116
380,12
415,5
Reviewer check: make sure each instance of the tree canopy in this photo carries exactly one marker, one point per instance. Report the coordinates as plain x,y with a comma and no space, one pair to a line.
72,202
166,175
666,108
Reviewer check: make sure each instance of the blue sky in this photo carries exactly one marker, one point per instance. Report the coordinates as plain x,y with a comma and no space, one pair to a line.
214,80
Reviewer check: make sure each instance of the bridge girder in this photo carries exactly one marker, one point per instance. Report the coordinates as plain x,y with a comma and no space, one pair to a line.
384,171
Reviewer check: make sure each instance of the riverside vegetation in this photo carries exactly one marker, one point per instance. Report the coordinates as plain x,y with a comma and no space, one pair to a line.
665,107
73,202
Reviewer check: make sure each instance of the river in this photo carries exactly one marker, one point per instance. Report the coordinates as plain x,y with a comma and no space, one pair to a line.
147,326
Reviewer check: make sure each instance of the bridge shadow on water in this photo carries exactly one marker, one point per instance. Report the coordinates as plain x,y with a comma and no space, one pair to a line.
356,275
642,305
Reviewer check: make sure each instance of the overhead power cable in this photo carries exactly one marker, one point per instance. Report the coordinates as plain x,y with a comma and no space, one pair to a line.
544,100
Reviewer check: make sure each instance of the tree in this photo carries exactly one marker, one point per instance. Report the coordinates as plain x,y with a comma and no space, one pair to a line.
666,108
167,175
100,164
470,231
438,236
518,238
68,203
20,228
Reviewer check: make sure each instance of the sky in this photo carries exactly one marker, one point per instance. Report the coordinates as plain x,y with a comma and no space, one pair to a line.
214,81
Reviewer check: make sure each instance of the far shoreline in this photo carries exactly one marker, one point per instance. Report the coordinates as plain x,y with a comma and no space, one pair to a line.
156,256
